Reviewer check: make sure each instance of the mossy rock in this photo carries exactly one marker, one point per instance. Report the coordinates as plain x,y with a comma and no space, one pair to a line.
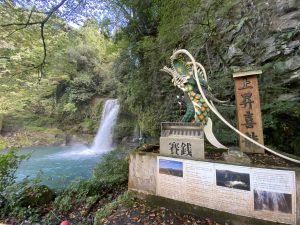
36,195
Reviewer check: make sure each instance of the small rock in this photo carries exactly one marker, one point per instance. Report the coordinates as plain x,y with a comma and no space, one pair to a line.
234,155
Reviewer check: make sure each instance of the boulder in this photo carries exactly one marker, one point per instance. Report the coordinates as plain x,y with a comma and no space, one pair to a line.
235,155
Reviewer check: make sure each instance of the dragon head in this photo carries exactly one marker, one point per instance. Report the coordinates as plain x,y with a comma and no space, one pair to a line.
180,70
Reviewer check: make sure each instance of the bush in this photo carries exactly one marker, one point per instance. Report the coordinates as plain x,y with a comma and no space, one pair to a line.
9,163
63,203
36,195
124,200
23,198
113,167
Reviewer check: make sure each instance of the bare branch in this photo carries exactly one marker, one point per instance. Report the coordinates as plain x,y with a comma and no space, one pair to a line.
44,44
28,21
42,23
20,24
53,10
4,57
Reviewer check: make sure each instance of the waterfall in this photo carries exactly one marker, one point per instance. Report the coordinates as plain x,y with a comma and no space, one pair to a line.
103,141
68,162
272,201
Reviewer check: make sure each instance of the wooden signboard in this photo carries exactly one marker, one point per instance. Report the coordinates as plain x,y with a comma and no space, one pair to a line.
248,110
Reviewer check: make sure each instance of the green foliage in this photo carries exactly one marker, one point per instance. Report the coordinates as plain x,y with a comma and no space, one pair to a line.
9,163
77,69
125,124
113,167
18,197
82,89
69,108
63,203
280,130
89,59
148,93
124,200
36,195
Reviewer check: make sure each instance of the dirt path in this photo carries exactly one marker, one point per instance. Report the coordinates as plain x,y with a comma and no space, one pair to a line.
143,214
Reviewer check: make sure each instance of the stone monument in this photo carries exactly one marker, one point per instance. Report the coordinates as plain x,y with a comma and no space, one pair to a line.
184,140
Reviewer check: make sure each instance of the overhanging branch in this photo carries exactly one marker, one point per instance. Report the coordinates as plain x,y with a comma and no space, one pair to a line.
42,23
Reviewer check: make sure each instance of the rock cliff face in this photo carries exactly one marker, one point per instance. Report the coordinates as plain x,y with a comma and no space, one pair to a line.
263,33
266,34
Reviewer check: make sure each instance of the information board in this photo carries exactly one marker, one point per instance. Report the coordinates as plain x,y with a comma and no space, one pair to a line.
267,194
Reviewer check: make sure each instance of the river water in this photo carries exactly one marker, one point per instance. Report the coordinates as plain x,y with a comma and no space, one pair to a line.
60,165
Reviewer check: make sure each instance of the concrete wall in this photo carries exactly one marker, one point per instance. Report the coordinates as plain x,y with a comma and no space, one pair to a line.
143,181
142,173
298,196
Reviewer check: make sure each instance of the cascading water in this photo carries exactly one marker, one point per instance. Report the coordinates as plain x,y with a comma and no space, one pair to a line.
272,201
103,141
67,162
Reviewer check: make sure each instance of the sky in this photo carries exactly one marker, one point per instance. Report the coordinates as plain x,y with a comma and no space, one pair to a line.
75,14
163,163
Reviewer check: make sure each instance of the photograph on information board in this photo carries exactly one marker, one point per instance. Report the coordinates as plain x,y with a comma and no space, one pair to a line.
272,201
170,167
231,179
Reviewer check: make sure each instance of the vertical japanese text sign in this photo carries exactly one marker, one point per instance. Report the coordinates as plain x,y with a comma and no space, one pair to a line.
248,110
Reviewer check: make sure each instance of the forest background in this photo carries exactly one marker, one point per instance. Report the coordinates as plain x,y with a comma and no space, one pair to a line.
53,83
61,59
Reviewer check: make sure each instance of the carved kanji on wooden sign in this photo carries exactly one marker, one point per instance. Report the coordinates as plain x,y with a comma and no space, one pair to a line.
248,110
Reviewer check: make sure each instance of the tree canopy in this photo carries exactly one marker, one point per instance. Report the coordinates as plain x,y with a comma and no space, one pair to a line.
117,48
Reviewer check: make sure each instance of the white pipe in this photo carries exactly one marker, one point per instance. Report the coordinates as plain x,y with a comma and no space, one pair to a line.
195,64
